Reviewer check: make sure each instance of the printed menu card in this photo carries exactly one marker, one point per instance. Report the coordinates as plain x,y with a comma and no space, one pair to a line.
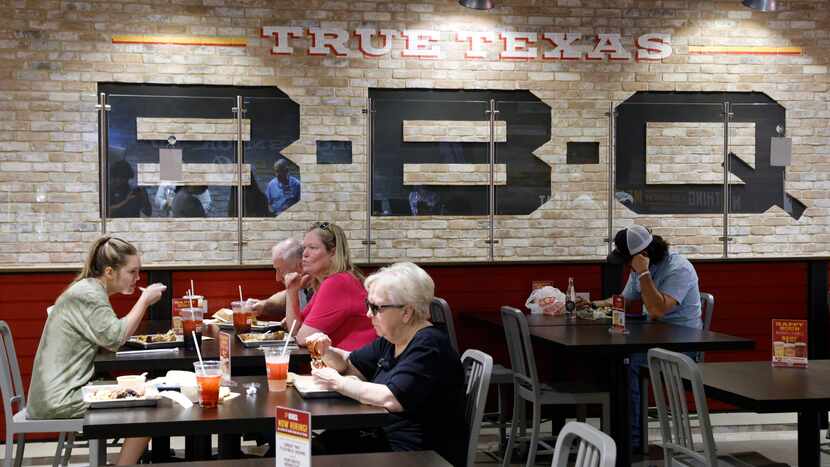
789,343
293,438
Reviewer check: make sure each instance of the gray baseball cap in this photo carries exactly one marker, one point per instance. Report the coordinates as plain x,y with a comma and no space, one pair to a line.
629,242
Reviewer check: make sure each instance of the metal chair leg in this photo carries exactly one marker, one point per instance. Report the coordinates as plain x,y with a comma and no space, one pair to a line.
21,446
535,434
57,460
508,451
502,419
70,443
7,462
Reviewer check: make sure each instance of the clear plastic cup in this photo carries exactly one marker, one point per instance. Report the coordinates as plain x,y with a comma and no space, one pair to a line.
208,378
276,364
192,319
188,301
243,316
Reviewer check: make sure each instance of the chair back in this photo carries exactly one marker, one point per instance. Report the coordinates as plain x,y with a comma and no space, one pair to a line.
668,372
520,348
707,305
480,367
11,384
707,309
595,449
441,317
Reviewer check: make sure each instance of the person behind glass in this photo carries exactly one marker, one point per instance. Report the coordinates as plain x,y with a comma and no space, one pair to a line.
82,321
166,193
186,202
337,307
667,284
124,200
287,257
283,190
411,369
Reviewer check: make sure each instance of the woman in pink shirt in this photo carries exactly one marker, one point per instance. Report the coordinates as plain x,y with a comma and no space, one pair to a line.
338,307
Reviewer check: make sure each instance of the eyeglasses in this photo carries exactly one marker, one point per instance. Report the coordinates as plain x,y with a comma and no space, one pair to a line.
375,309
325,226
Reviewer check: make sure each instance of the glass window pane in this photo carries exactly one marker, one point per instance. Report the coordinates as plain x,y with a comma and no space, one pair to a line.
767,209
668,173
192,217
279,182
430,176
554,202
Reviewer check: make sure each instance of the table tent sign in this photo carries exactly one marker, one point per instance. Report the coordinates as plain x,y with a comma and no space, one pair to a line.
789,343
293,438
225,357
617,315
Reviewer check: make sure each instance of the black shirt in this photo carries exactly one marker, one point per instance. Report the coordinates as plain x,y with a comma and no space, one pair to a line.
428,380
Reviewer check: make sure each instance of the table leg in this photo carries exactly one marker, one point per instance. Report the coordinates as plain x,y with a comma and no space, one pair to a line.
620,409
197,447
161,450
97,452
230,446
809,424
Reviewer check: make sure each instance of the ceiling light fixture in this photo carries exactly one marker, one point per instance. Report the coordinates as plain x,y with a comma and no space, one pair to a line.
478,4
761,5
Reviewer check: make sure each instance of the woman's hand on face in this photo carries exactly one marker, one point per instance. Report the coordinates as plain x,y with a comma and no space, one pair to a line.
328,378
152,293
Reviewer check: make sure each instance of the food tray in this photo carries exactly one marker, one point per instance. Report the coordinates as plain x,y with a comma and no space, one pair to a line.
259,343
308,389
150,398
132,342
261,326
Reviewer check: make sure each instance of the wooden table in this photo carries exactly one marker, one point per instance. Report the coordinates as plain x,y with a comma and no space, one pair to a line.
244,361
243,414
580,342
398,459
759,387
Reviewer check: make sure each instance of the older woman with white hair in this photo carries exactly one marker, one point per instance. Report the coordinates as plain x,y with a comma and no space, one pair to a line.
410,369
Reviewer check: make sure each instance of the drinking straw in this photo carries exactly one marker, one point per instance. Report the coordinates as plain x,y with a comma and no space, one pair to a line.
198,353
240,295
192,288
190,297
285,347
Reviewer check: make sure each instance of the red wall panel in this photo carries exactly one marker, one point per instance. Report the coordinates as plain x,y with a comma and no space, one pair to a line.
747,295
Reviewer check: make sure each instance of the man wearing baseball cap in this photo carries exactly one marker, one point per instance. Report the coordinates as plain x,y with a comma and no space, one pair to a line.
667,284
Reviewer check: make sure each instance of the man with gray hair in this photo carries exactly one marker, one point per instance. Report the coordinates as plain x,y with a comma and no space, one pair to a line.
286,256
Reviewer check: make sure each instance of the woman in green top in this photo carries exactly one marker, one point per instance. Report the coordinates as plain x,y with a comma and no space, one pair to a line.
81,321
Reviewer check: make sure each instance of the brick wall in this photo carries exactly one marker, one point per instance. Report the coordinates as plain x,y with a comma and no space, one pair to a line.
53,54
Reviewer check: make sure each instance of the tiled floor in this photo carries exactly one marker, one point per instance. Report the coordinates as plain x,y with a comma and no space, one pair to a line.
774,438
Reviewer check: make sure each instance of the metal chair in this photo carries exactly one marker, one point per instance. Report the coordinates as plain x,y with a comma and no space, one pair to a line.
595,449
14,407
527,388
480,366
669,372
707,309
441,316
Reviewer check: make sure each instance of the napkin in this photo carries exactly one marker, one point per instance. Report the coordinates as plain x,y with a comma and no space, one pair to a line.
178,398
